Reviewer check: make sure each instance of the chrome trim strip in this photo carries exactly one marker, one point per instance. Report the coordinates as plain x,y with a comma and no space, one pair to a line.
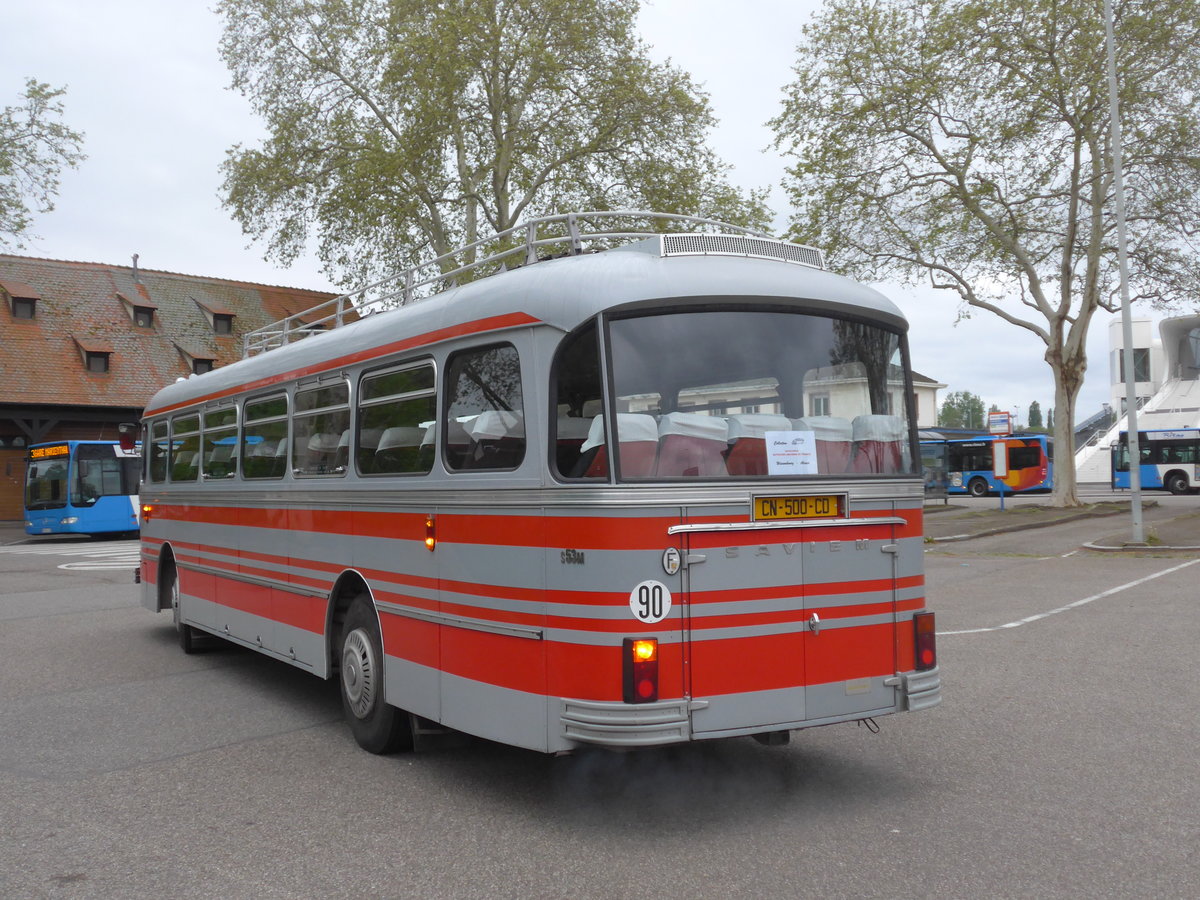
301,589
763,526
423,615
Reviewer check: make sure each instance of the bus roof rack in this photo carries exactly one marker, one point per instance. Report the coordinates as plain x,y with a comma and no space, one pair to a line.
547,237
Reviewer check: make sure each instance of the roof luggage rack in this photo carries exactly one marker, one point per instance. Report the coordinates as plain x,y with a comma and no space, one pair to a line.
548,237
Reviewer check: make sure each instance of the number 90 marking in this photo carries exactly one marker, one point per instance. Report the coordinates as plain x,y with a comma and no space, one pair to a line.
650,602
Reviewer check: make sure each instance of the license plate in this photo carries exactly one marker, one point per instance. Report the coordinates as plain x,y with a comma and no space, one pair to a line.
819,506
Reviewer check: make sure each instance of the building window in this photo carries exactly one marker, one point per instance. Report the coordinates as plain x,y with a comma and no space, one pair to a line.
818,405
200,366
222,323
1141,365
143,317
24,307
96,361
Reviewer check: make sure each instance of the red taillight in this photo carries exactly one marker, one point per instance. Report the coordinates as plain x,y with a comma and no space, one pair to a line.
925,641
640,669
430,533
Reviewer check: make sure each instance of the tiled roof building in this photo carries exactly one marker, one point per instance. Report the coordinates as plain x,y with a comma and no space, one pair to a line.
83,346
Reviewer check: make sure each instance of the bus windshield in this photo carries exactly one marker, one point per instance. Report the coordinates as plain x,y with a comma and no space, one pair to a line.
762,393
46,484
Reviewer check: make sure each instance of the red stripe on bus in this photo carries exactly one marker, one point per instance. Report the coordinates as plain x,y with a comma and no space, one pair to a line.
480,326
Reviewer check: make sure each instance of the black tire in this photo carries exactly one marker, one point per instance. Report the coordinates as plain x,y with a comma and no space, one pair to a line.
377,727
188,640
1177,483
977,488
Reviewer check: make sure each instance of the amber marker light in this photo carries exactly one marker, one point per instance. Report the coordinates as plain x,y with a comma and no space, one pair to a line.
430,537
645,651
147,512
639,670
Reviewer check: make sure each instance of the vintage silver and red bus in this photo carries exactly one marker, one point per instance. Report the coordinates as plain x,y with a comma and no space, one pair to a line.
663,491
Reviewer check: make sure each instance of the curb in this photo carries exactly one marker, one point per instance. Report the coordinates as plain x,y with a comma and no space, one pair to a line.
1006,529
1136,548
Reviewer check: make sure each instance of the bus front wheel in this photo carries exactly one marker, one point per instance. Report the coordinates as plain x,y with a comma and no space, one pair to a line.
1177,483
377,727
978,488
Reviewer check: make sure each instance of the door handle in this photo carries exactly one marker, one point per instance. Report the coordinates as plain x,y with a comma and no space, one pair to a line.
814,623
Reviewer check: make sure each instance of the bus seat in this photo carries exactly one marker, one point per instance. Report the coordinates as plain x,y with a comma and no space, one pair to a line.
220,462
458,442
183,466
497,439
399,449
748,441
878,444
260,460
571,432
691,445
638,437
319,456
341,456
835,442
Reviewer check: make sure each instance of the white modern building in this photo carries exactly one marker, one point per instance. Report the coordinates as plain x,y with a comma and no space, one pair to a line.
1167,382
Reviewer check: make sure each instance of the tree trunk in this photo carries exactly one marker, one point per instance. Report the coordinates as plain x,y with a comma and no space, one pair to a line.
1068,372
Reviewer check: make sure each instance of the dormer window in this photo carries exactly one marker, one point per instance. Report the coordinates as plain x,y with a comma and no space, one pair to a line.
219,316
140,308
95,354
198,359
22,299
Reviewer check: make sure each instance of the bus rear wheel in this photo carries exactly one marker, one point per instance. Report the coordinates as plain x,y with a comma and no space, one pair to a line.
978,487
376,726
1177,483
188,640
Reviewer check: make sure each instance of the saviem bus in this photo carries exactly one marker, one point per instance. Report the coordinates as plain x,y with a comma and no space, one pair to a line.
661,492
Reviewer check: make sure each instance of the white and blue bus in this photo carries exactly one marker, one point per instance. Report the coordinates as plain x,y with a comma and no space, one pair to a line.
1170,460
81,487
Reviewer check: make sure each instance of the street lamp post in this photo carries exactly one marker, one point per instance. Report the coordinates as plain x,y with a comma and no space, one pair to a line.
1135,454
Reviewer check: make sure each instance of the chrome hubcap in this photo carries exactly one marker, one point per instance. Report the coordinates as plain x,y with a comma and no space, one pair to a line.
358,672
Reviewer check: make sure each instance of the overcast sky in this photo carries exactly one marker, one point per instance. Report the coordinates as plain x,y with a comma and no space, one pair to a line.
146,86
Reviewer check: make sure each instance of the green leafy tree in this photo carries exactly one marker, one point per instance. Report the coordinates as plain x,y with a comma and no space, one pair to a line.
35,146
1050,419
401,129
1035,416
966,143
961,409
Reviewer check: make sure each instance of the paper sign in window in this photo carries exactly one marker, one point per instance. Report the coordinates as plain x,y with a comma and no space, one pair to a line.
791,453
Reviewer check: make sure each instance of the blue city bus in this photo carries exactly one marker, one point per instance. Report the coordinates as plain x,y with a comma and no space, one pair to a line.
1170,460
81,487
966,465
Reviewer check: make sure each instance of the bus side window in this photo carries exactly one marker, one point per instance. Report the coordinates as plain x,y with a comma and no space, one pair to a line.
220,442
264,437
158,450
395,409
322,415
578,400
485,419
185,448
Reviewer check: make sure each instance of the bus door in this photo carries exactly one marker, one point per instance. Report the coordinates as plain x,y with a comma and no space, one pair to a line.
789,623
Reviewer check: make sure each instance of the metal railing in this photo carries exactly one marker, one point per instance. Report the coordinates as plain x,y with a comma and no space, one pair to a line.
547,237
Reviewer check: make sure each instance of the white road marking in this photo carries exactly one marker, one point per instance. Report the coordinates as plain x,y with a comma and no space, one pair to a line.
96,556
1053,612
